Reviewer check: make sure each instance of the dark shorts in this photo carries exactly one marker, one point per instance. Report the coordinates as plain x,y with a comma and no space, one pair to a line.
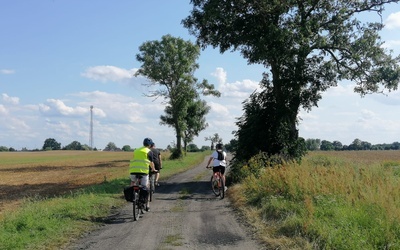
219,168
157,166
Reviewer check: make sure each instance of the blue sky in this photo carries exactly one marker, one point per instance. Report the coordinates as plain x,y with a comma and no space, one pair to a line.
57,58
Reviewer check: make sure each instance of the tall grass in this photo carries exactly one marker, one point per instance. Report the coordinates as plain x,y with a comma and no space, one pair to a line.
49,223
330,201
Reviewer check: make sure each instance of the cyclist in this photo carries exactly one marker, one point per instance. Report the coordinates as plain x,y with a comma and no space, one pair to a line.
157,161
218,157
139,167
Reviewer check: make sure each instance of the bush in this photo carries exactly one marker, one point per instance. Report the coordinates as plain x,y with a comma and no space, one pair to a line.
176,154
241,170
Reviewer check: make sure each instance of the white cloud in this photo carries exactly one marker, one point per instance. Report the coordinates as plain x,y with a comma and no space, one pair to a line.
9,99
108,73
220,74
393,21
239,89
7,71
219,109
57,107
391,44
3,110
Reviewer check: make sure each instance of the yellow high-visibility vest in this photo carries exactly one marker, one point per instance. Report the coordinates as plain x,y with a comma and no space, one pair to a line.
140,162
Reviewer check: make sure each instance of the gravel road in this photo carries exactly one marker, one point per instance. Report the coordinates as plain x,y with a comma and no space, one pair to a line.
184,214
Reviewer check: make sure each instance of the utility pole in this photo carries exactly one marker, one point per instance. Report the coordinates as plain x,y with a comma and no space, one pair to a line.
91,128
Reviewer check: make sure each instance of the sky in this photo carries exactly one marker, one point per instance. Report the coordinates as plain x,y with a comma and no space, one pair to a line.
58,58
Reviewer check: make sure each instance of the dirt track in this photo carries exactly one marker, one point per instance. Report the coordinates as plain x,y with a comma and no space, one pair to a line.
184,215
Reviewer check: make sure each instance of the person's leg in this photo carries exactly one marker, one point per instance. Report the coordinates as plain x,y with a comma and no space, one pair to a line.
133,179
145,183
223,176
157,167
157,177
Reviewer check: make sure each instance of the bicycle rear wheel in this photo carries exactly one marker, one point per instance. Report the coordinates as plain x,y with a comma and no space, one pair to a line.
214,186
136,206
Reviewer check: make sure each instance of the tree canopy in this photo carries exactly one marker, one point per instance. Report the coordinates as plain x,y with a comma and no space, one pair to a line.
51,144
170,64
307,46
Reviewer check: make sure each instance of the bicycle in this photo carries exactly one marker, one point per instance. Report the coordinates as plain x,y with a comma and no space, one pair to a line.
217,184
133,194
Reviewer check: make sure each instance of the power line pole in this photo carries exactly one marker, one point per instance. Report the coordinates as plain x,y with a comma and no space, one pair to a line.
91,128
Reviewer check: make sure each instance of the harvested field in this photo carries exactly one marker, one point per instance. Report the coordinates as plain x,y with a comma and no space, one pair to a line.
45,174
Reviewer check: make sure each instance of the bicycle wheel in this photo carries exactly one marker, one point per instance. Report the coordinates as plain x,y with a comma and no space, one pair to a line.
135,206
222,188
214,186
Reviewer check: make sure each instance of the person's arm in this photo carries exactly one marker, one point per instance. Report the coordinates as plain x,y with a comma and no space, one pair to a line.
209,161
159,159
150,157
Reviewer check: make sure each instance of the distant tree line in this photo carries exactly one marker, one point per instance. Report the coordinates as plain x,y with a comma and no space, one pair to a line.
52,144
357,144
311,145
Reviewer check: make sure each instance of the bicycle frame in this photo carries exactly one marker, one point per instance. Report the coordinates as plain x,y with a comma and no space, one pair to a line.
218,184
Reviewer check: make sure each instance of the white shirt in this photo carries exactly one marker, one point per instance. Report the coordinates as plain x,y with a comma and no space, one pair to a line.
216,162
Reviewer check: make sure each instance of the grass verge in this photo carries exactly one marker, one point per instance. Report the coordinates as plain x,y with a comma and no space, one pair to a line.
50,223
326,202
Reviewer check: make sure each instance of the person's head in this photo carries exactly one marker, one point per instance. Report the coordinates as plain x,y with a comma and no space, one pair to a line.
218,146
147,142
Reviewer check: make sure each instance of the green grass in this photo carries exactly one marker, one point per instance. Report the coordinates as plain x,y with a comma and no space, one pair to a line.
331,202
50,223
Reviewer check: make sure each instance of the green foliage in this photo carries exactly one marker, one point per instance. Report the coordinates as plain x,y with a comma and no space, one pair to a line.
254,167
313,144
195,120
261,114
111,147
176,154
171,63
192,148
307,49
75,145
3,149
51,144
126,148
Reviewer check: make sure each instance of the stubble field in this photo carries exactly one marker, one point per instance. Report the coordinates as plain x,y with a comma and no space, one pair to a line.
46,174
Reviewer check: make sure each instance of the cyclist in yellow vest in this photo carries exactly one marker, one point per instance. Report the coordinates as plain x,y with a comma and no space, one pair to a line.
140,165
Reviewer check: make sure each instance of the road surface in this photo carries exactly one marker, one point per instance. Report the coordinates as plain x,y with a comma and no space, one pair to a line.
184,214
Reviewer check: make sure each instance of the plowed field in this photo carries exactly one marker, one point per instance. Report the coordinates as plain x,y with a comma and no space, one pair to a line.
45,174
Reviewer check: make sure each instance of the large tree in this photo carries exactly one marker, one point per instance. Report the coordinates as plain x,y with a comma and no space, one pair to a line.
307,46
195,120
170,64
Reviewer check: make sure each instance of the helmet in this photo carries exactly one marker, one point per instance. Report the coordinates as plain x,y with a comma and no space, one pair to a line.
147,142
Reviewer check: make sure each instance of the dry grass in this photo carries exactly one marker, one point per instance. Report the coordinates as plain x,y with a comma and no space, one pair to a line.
363,187
44,174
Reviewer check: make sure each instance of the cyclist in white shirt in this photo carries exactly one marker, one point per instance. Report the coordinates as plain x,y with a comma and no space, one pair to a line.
218,159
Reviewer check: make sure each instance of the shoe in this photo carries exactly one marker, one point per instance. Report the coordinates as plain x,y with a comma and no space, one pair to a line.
226,188
147,209
157,184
